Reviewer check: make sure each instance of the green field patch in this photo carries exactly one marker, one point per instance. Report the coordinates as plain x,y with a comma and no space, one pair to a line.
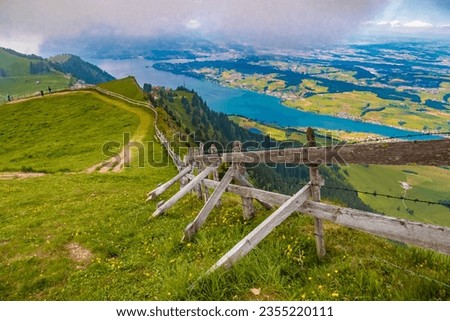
24,86
275,133
309,85
434,93
371,110
127,87
368,107
426,182
323,136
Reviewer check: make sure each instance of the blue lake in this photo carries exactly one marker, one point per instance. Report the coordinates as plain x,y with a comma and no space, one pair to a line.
253,105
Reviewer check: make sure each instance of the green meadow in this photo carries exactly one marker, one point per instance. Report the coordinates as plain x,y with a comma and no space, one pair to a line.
50,134
79,236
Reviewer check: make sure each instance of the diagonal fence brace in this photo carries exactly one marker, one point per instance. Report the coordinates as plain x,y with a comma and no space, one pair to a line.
195,225
197,179
161,189
262,230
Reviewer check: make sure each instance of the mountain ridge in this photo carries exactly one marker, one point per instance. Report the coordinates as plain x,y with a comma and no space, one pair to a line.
24,75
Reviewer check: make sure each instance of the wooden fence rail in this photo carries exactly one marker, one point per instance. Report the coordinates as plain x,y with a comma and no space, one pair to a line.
431,152
428,236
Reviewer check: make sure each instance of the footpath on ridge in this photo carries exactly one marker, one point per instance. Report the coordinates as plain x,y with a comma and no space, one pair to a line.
114,164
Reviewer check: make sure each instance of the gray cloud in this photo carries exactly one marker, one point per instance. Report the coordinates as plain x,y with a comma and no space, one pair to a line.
284,22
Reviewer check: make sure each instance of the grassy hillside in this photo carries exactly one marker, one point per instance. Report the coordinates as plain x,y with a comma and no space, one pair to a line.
127,87
25,75
14,64
62,132
428,183
16,79
86,236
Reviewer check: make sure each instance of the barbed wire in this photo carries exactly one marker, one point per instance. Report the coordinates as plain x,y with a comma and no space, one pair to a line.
376,194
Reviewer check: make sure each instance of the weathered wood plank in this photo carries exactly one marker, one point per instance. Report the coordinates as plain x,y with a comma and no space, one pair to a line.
176,159
262,230
423,235
199,190
161,189
248,210
216,178
193,227
183,191
315,196
204,190
432,152
245,182
269,197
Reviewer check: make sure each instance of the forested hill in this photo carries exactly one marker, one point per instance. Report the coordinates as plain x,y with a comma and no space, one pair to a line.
187,111
79,69
190,113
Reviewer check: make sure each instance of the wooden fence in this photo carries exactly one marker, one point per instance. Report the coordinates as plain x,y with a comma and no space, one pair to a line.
307,199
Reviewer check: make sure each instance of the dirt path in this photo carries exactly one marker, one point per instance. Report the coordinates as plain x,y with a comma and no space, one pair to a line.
38,96
117,163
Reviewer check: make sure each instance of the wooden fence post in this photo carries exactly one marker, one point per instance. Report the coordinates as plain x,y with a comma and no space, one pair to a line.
203,189
198,188
213,151
187,160
316,182
248,210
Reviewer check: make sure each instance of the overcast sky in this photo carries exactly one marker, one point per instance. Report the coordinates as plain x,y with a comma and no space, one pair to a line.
26,25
